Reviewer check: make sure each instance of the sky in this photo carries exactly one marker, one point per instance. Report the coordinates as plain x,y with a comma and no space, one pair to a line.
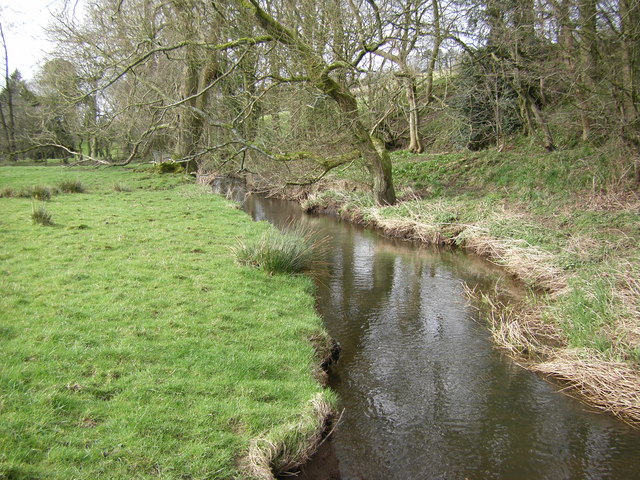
24,22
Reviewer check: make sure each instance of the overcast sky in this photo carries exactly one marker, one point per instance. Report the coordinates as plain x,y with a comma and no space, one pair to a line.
23,22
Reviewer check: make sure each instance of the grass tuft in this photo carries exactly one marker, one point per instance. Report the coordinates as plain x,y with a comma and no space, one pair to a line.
40,192
292,251
8,192
40,215
71,186
121,187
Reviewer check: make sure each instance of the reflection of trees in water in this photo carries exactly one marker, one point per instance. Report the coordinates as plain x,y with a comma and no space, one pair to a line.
424,391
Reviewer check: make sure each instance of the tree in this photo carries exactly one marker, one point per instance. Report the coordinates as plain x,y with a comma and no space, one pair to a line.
318,73
7,114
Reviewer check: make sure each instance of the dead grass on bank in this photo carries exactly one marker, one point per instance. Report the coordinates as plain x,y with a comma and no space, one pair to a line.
521,259
604,384
287,447
524,261
413,230
519,328
609,386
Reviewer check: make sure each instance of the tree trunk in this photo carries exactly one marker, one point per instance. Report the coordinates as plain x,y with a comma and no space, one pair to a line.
91,125
549,144
415,145
8,121
630,19
587,63
189,122
318,72
435,52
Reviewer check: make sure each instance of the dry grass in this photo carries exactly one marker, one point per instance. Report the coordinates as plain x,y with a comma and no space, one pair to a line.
627,200
290,446
607,385
518,328
412,230
521,259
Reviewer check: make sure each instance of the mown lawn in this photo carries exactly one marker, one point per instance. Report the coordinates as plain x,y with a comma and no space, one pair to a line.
132,345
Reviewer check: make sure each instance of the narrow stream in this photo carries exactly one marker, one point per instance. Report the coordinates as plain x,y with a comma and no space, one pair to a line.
425,395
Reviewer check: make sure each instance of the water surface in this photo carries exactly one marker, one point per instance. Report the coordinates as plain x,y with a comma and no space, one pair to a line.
424,393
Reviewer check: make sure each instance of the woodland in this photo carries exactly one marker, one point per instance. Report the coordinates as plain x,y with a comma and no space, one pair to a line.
294,90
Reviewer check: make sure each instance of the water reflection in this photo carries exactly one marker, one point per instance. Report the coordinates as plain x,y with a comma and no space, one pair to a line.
425,395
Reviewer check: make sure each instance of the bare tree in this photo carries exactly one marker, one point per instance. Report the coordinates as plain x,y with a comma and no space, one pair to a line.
319,74
8,118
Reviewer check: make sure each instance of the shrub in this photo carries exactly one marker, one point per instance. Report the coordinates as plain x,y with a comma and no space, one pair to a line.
41,215
71,186
293,251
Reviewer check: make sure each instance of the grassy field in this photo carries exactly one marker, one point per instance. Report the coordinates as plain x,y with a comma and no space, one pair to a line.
132,345
566,223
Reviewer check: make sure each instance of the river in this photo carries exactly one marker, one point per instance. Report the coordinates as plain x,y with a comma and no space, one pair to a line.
423,392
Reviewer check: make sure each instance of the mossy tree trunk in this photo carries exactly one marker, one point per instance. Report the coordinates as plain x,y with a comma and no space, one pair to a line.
318,72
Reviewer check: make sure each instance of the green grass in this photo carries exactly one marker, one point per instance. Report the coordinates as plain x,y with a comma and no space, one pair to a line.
132,344
293,251
522,173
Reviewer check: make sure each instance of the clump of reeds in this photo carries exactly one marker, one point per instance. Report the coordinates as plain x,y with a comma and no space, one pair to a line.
292,251
71,186
39,192
40,215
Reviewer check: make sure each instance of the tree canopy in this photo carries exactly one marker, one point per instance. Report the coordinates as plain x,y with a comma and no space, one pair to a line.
294,90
